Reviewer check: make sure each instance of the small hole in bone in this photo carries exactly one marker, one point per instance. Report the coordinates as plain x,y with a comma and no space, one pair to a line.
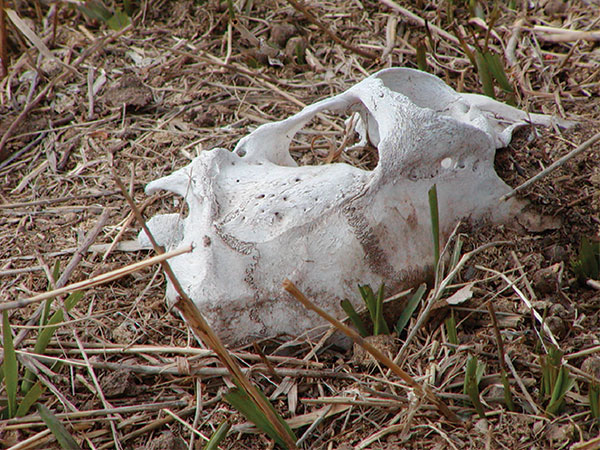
237,181
446,163
297,180
285,199
260,196
241,152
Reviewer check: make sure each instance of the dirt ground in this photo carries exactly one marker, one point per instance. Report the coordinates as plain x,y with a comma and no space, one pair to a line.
188,76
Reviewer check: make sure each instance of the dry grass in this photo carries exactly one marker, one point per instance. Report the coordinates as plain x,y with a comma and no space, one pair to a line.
184,78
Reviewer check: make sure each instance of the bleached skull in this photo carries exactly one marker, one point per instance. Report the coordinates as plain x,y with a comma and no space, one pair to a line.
256,218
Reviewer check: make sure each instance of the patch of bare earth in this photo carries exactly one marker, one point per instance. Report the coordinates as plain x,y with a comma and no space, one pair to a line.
186,77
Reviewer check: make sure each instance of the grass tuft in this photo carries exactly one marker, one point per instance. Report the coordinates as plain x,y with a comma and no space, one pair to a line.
473,374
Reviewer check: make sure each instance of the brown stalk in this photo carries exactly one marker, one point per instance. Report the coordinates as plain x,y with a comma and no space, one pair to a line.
422,391
298,5
92,282
200,327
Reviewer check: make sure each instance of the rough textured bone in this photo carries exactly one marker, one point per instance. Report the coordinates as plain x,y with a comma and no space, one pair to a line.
255,217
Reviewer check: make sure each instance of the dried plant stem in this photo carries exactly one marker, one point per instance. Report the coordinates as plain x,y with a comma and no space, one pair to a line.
199,325
111,349
436,294
201,328
521,385
298,5
153,425
553,34
555,165
100,279
30,105
99,392
593,284
499,341
32,442
592,444
503,368
422,391
197,371
75,260
420,21
32,420
527,302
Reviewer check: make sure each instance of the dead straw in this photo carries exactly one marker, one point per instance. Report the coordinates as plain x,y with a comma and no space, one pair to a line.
422,391
300,6
201,328
552,167
95,281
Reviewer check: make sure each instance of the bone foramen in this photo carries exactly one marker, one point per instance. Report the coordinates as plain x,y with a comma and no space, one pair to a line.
256,218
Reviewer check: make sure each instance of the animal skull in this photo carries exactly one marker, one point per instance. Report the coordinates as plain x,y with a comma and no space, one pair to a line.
256,218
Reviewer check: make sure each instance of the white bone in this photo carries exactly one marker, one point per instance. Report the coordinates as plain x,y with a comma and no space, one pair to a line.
256,218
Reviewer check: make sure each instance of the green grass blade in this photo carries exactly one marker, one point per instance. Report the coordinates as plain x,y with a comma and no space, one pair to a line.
369,298
354,318
9,366
497,71
594,396
508,400
476,9
456,252
546,384
30,398
380,325
48,303
435,224
46,334
474,371
564,383
59,431
46,311
218,436
465,47
242,402
450,324
230,9
128,7
422,57
95,9
410,308
118,21
485,77
588,259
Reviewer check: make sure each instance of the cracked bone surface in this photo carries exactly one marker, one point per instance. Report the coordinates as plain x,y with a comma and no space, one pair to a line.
256,218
